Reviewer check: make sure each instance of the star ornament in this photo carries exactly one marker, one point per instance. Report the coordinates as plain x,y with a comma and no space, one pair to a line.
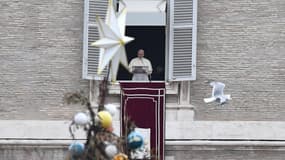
112,40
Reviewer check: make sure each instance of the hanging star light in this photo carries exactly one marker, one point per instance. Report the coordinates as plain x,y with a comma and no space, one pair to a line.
112,40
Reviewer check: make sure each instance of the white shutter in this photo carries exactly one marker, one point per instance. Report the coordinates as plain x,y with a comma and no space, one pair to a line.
182,28
92,9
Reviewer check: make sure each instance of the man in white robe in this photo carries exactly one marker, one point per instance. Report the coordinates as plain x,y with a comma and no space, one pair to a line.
140,67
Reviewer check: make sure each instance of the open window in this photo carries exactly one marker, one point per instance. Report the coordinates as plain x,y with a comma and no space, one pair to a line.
152,40
168,37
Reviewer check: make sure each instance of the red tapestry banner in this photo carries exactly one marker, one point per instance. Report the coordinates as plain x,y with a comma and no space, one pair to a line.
144,103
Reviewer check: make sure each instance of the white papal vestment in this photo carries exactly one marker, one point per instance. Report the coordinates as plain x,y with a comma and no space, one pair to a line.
140,62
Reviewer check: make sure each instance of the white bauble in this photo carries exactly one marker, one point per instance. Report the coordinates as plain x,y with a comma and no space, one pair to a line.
111,150
81,119
111,108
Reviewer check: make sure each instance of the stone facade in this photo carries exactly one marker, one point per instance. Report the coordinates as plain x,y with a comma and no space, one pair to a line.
41,58
172,153
32,152
242,44
224,153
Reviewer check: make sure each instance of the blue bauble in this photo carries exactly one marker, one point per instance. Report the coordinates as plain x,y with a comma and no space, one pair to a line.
135,140
76,149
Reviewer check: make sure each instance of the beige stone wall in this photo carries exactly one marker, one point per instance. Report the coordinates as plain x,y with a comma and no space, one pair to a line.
40,58
224,153
34,152
242,44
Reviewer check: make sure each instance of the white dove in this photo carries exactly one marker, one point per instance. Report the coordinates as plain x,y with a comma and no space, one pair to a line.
218,93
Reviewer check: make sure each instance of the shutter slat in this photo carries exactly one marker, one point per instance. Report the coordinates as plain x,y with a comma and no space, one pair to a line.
97,8
181,40
92,9
182,50
183,10
93,53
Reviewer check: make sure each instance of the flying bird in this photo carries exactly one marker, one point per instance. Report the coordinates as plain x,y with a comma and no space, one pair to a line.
218,93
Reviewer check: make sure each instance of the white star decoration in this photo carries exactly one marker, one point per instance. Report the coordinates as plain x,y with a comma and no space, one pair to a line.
112,40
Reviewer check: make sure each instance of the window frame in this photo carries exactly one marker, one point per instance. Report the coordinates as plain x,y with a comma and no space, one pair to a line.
168,80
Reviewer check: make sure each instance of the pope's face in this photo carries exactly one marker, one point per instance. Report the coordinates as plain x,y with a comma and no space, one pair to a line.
140,54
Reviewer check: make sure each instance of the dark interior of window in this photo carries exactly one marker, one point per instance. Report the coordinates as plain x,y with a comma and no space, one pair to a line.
152,40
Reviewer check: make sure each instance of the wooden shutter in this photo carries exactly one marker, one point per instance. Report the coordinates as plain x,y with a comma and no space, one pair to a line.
92,9
182,22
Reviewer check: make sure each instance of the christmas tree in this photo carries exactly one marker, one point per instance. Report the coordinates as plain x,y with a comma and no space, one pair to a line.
101,143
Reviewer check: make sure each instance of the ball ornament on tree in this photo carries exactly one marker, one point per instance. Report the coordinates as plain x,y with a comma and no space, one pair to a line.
120,156
76,149
105,119
81,119
111,150
111,108
135,140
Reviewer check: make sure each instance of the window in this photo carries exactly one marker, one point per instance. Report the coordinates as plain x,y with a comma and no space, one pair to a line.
152,40
179,27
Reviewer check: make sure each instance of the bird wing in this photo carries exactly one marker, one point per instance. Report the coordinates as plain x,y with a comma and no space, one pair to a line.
208,100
